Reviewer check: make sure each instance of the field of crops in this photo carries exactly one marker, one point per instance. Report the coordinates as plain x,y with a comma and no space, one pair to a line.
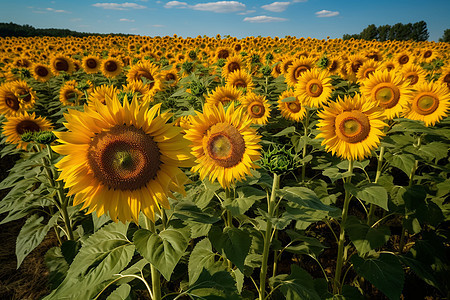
225,168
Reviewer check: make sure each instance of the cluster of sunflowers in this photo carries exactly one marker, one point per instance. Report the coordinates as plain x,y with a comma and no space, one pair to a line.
130,152
136,119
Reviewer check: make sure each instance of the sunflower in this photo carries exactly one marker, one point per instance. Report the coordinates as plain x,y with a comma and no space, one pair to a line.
25,94
222,53
351,127
224,95
367,68
111,67
100,94
257,107
137,87
389,90
297,67
69,95
15,126
427,55
353,64
292,110
413,73
224,144
170,77
313,88
10,104
232,64
429,103
60,63
402,58
148,73
41,72
334,64
122,159
445,77
240,79
91,64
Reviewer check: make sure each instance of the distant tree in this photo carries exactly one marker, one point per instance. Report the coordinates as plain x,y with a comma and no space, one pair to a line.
383,32
370,33
446,36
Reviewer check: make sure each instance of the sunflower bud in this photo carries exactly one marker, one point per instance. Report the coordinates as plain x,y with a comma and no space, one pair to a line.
323,62
187,67
197,88
28,136
221,62
278,160
266,70
44,137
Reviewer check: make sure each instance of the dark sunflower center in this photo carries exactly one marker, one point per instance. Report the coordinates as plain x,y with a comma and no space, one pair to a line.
91,63
61,64
147,75
111,66
447,80
12,101
314,88
425,104
223,54
293,107
356,65
367,72
299,70
124,158
412,77
387,95
427,54
226,147
170,76
286,66
41,71
240,83
333,66
70,96
27,126
233,66
352,126
256,109
403,59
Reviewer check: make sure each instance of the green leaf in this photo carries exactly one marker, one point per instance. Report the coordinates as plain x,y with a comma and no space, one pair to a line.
370,193
289,99
190,212
285,131
334,174
364,237
385,273
31,235
121,293
213,286
247,196
298,285
202,257
423,271
57,266
103,254
304,197
162,250
234,243
404,162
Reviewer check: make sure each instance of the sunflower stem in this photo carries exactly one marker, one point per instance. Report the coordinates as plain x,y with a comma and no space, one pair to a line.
340,255
377,176
268,237
156,276
305,134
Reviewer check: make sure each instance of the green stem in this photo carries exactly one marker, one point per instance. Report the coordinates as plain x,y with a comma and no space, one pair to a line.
268,237
377,176
156,276
340,255
305,135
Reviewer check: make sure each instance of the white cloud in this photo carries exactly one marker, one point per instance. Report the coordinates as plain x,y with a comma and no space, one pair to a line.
175,4
276,6
263,19
119,6
296,1
126,20
326,13
247,12
220,6
56,10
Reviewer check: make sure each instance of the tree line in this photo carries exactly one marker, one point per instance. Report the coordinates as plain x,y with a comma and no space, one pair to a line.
400,32
12,29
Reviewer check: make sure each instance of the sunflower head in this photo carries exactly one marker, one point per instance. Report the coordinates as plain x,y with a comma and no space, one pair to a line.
111,67
61,63
41,72
292,109
257,108
351,127
313,88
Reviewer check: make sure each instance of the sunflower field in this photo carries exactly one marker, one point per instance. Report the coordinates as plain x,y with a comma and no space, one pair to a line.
225,168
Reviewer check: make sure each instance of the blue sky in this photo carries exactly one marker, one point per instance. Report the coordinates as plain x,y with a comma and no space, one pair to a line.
300,18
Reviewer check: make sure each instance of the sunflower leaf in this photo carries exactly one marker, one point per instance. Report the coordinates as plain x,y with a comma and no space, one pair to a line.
370,193
162,250
298,285
202,257
121,293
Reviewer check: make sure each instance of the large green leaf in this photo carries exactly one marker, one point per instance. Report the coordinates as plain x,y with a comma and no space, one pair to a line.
162,250
103,254
202,257
247,196
298,285
370,193
304,197
234,243
188,211
364,237
404,162
214,286
121,293
31,235
385,273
